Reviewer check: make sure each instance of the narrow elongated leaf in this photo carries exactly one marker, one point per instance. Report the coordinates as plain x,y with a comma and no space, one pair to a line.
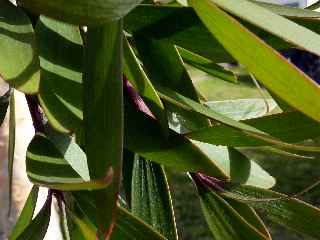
144,136
206,65
47,166
290,212
88,231
19,62
60,49
288,127
165,67
140,81
190,105
127,225
250,215
151,200
277,74
82,12
37,229
273,23
183,28
11,145
4,104
104,86
225,222
26,215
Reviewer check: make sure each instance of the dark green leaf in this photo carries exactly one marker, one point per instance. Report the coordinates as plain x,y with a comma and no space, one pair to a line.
290,212
26,215
224,221
82,12
140,81
48,165
60,49
103,115
288,127
207,65
19,62
11,145
151,200
165,68
4,103
37,229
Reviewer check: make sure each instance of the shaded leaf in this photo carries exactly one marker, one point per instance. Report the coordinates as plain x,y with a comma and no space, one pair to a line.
104,94
60,49
224,221
19,62
290,212
4,104
47,165
11,145
26,214
82,12
207,65
151,200
140,81
37,229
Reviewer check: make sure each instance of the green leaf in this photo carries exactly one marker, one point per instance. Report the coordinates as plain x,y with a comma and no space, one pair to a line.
242,109
127,225
82,12
11,145
144,137
37,229
4,104
88,231
288,127
224,221
151,200
250,215
140,81
26,215
61,53
19,62
274,71
290,212
48,165
243,128
165,68
271,22
207,65
104,95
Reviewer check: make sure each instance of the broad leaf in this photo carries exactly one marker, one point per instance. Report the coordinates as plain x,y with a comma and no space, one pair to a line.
242,109
26,214
48,165
82,12
60,49
144,136
37,229
266,64
287,211
19,62
151,200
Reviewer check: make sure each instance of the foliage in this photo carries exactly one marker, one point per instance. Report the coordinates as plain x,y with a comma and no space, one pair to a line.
114,107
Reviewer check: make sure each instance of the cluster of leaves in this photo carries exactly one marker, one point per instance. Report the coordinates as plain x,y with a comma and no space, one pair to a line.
113,104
